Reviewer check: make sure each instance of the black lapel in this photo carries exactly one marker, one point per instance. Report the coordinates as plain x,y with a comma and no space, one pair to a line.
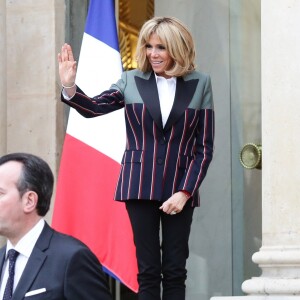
183,96
34,264
2,258
149,93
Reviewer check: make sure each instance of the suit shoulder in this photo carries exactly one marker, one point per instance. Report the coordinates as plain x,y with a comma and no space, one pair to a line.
126,77
197,75
137,73
134,72
67,242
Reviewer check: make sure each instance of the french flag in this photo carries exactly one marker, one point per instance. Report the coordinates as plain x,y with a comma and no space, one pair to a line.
91,156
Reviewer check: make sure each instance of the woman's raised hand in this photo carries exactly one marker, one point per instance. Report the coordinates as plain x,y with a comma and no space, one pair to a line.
67,66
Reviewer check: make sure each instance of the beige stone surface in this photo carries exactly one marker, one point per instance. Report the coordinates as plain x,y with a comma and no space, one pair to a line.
279,256
35,33
281,122
2,76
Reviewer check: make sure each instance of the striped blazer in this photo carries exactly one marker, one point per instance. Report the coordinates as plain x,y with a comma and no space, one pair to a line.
158,161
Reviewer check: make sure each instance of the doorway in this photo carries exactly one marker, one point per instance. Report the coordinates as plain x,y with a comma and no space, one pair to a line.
226,229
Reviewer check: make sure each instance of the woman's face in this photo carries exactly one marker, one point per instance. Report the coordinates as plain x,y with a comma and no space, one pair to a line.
158,56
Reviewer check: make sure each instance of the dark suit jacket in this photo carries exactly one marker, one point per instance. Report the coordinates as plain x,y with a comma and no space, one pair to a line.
64,266
158,161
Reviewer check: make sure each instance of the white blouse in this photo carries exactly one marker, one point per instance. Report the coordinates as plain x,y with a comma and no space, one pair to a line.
166,92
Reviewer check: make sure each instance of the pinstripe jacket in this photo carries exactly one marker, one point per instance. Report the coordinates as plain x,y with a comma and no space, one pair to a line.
158,161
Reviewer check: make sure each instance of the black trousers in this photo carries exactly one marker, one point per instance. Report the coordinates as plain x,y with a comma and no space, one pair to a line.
160,261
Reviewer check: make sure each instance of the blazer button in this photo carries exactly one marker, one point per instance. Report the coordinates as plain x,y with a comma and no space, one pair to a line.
160,161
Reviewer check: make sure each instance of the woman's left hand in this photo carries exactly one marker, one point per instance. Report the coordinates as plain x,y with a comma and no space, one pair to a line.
174,204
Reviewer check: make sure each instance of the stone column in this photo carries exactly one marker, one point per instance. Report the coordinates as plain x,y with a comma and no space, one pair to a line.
279,256
35,33
3,138
3,98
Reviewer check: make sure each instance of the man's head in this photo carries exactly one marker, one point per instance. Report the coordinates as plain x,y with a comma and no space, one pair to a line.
26,186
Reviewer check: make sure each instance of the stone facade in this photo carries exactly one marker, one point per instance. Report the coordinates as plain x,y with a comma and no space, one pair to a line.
31,114
32,119
279,256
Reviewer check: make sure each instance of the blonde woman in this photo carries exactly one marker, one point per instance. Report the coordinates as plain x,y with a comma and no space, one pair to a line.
170,131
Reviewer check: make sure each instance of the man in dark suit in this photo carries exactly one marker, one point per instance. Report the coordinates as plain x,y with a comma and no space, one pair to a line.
48,264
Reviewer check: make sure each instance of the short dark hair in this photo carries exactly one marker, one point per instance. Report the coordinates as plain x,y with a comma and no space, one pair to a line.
36,176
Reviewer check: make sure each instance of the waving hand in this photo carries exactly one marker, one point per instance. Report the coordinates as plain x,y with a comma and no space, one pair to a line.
67,67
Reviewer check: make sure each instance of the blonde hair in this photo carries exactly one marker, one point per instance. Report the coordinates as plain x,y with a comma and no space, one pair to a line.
177,40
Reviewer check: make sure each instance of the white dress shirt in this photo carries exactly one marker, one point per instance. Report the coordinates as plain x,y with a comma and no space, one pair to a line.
24,247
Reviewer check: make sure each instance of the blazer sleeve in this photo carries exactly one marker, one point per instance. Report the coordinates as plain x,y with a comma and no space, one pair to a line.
84,278
106,102
204,143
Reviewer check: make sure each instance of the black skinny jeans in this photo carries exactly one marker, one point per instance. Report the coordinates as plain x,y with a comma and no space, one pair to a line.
160,262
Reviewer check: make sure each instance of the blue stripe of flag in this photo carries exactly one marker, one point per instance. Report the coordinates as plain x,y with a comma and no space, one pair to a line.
108,272
101,22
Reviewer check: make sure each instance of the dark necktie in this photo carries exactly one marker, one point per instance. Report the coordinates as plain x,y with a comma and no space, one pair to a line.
12,256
